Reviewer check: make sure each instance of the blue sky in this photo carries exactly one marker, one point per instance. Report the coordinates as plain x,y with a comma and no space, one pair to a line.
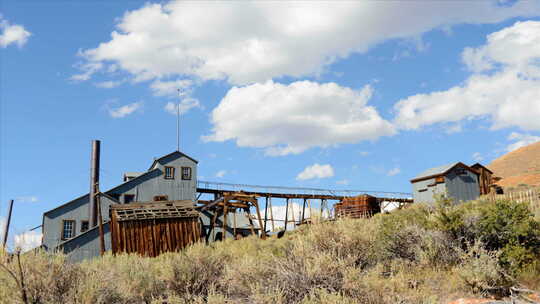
360,95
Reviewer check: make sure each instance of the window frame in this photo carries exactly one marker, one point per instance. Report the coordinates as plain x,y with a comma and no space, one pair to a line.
166,176
129,195
160,198
73,229
87,225
189,176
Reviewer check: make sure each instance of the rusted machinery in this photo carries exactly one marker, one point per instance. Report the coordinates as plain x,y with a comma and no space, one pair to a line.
357,207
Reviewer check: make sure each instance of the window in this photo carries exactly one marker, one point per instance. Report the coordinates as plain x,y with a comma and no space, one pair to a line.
68,229
128,198
186,173
422,190
84,226
169,172
158,198
460,171
439,179
116,196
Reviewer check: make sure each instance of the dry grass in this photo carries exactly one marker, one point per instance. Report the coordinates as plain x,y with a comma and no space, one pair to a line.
406,257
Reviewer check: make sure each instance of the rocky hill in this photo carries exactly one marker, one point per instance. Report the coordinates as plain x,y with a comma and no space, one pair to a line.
519,168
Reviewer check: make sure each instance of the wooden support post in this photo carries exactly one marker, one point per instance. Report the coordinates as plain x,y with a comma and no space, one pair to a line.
265,214
292,213
214,224
263,232
310,210
10,210
234,223
224,226
303,211
286,214
100,225
250,222
271,214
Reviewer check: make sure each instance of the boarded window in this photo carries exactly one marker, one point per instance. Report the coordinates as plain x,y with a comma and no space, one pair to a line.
68,229
158,198
439,179
116,196
84,226
422,190
186,173
128,198
169,172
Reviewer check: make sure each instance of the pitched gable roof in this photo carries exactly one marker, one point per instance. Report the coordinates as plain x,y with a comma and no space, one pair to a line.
480,165
442,170
180,154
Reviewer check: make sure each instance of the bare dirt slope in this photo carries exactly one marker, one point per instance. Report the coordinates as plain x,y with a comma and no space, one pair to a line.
519,168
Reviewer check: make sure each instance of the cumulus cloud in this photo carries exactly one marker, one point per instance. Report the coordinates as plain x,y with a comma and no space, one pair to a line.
221,173
343,182
126,110
504,85
316,171
27,199
477,156
289,119
170,88
185,105
393,171
246,42
12,34
28,240
109,84
3,221
520,140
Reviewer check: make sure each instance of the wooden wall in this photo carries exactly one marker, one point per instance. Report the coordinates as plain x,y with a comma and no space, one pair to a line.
151,237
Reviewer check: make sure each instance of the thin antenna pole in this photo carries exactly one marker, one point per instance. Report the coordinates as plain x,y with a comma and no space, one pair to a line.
178,122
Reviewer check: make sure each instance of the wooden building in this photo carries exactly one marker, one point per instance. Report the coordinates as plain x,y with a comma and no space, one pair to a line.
457,181
485,177
152,228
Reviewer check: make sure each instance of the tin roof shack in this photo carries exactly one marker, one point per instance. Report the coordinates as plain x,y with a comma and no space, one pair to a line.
357,207
66,227
486,179
458,181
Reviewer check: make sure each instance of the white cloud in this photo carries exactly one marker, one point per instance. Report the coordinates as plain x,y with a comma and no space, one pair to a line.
364,153
521,140
185,105
394,171
88,69
289,119
2,227
504,86
477,157
126,110
28,240
27,199
221,173
164,88
343,182
246,42
109,84
12,34
316,171
454,128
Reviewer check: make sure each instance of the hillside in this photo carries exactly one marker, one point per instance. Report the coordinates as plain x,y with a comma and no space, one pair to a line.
412,256
519,167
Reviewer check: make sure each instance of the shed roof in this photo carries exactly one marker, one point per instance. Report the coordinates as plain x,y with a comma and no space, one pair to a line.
441,170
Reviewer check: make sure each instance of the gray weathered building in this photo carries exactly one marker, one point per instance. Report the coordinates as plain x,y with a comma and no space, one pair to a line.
66,228
458,181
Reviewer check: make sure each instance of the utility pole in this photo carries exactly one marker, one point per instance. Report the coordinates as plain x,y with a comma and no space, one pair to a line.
7,224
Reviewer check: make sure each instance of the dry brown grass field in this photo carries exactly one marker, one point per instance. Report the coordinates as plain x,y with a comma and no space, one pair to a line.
417,255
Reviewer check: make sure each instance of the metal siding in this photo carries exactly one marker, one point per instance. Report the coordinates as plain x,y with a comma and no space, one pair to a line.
87,246
462,187
144,189
429,195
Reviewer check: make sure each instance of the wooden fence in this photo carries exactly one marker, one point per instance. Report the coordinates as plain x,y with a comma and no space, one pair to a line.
528,196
